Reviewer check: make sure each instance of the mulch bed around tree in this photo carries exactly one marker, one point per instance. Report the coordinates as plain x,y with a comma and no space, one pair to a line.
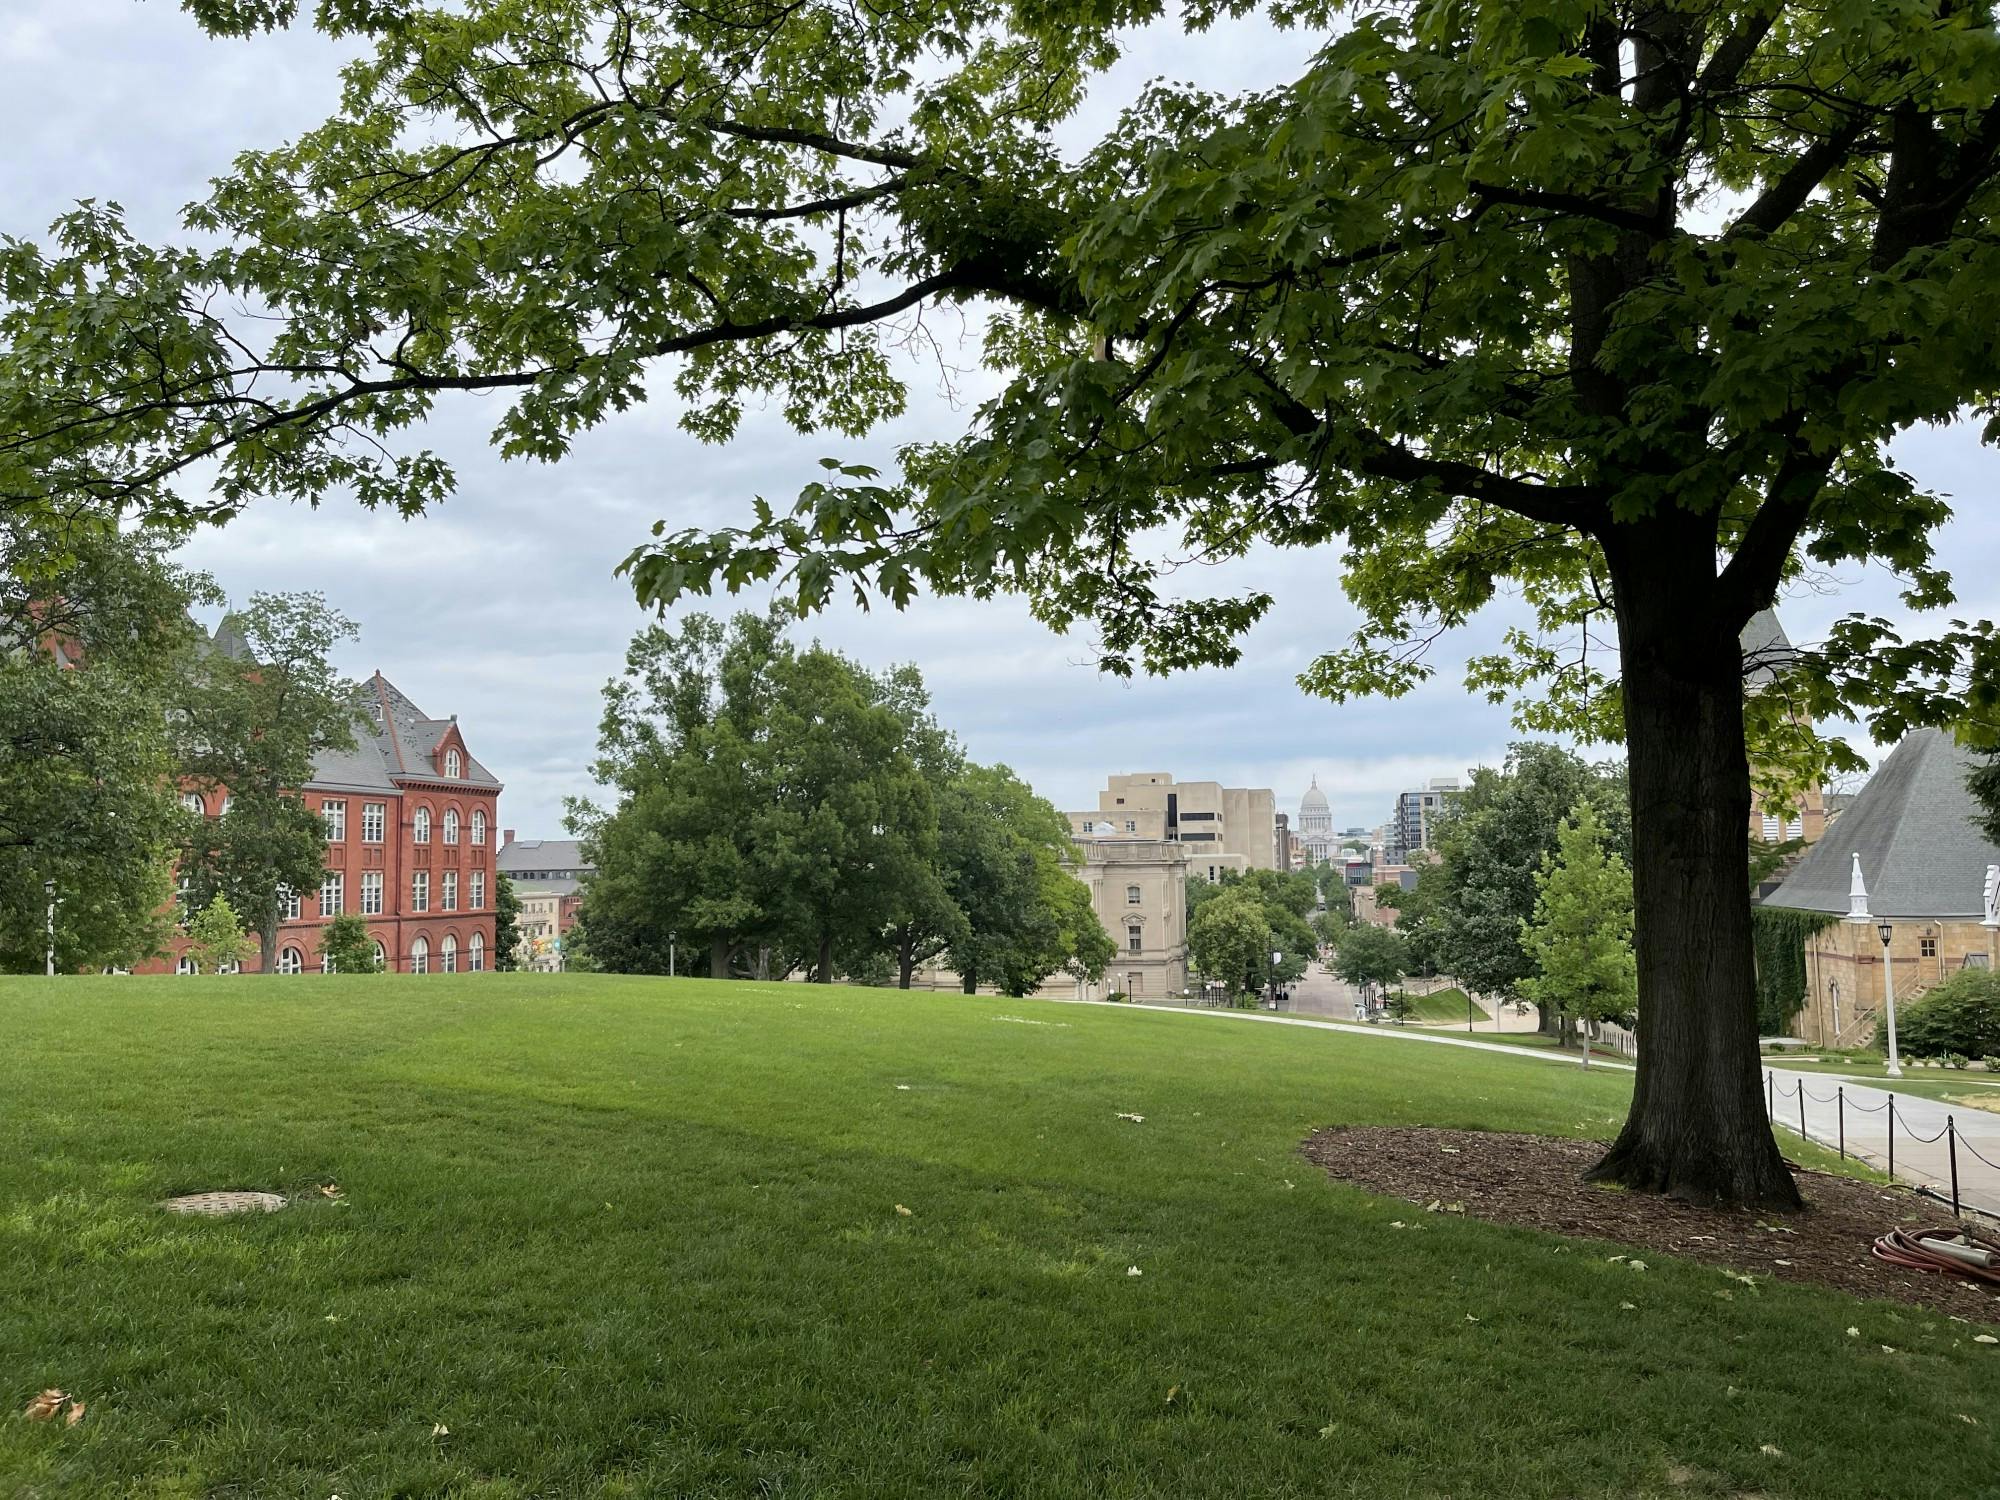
1536,1181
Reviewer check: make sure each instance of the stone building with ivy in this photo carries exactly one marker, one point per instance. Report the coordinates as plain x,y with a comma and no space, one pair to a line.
1909,852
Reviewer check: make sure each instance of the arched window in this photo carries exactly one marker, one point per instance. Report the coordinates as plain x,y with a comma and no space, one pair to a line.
381,957
475,953
453,766
193,803
291,961
478,827
448,955
420,826
187,966
451,825
222,807
420,956
1131,895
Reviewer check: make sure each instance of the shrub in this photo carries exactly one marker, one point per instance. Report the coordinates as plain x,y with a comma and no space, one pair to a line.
1960,1016
1116,996
1956,1060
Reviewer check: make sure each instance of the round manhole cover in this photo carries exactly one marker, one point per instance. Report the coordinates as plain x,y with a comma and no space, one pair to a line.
217,1204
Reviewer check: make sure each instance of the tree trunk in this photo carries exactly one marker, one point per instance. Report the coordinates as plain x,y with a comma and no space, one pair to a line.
718,956
267,945
1697,1129
823,970
906,959
971,983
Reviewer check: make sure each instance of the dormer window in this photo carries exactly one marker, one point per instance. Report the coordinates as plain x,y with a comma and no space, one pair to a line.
454,766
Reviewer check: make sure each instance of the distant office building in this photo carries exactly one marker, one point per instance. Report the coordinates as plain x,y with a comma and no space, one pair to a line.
1139,889
1409,829
1224,828
547,876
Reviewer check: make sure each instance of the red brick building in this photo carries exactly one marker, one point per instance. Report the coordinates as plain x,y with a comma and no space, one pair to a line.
411,835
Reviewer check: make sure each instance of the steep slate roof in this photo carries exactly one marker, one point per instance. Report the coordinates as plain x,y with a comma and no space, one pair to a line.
393,738
1921,853
1766,648
403,736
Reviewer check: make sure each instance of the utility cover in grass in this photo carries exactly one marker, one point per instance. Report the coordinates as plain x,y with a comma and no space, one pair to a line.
218,1205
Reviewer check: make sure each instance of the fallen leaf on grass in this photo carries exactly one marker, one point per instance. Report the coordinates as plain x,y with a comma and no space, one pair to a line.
1969,1421
1397,1224
1781,1263
1135,1119
1449,1150
1635,1265
1628,1307
75,1413
1329,1430
1887,1350
1173,1392
1772,1450
1854,1333
46,1405
1984,1338
1470,1318
906,1213
438,1430
1134,1271
329,1190
903,1088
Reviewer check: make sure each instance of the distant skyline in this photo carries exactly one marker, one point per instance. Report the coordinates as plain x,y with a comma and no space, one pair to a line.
501,606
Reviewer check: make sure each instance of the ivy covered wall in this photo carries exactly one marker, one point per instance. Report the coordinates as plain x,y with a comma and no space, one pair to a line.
1780,934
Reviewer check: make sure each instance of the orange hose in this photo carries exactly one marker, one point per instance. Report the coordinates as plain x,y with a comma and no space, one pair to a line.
1906,1248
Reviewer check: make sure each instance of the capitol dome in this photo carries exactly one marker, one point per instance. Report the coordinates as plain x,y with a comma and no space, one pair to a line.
1314,814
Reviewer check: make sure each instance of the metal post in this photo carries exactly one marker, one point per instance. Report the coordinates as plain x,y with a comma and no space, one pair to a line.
1802,1111
1840,1110
1770,1095
670,953
1892,1135
49,890
1951,1145
1895,1067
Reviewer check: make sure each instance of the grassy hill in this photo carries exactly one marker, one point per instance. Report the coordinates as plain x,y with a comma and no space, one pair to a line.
626,1237
1444,1006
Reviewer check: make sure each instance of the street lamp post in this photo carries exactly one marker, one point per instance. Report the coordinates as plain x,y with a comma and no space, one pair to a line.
1833,990
49,890
1886,931
671,938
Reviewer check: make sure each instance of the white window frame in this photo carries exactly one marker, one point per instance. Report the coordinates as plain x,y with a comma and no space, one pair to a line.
477,894
381,955
420,890
1135,938
332,884
187,966
448,955
420,955
478,826
451,825
420,826
374,821
193,803
334,815
475,953
291,906
1133,897
454,766
448,891
291,961
371,893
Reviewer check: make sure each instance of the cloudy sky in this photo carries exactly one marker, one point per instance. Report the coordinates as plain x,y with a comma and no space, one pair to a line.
501,607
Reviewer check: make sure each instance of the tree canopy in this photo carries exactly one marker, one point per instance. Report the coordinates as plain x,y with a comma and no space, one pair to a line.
1580,936
1613,303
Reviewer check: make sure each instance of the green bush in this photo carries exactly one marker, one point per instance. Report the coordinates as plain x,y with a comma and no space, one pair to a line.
1960,1016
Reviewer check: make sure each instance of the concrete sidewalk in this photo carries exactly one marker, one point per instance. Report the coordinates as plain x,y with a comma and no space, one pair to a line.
1838,1108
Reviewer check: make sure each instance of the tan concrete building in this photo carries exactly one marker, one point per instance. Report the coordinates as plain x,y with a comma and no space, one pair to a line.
1908,853
1224,828
539,930
1139,889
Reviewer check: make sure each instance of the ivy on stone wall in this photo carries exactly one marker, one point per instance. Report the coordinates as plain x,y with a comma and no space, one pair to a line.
1780,933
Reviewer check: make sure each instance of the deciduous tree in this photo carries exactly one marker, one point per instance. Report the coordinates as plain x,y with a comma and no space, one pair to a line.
1580,936
216,940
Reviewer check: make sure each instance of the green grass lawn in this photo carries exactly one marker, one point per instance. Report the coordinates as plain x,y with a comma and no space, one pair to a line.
1445,1006
641,1238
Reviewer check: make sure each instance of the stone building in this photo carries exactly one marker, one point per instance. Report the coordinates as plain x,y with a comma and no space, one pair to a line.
410,837
1317,842
1138,887
1767,651
547,876
1907,852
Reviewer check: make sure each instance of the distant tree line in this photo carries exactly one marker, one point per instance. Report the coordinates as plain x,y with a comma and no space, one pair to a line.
778,809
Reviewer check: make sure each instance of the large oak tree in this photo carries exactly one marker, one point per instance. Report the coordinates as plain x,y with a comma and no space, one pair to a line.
1620,301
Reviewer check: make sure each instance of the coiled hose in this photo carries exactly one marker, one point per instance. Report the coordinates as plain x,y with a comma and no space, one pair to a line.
1946,1252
